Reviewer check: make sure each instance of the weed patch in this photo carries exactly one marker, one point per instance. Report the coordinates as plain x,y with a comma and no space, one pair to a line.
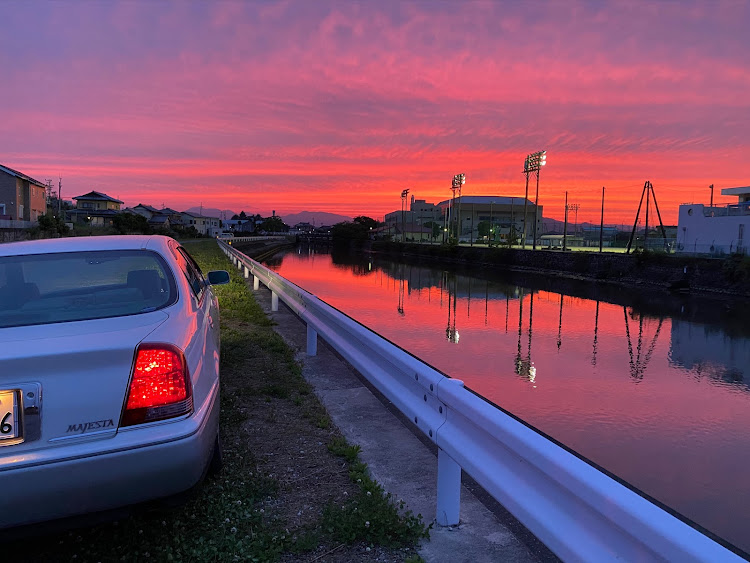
372,515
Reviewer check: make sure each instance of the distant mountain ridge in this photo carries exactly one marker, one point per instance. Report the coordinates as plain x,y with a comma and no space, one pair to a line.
317,218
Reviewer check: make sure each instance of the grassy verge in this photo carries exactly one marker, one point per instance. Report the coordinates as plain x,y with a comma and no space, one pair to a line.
291,488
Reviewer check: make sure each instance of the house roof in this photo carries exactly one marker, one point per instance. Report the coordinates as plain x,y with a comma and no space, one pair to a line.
148,208
92,212
159,219
96,196
18,174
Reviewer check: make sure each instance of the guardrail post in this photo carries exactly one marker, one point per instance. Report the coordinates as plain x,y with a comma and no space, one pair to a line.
239,265
247,272
448,490
256,283
312,341
274,301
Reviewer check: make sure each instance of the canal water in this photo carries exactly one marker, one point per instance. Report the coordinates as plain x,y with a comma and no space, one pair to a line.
651,387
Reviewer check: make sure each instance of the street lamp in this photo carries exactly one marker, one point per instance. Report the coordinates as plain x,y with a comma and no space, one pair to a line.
458,181
404,193
533,163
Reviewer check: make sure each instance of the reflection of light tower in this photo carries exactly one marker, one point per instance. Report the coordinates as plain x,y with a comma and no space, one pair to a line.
533,163
524,366
404,193
458,181
451,333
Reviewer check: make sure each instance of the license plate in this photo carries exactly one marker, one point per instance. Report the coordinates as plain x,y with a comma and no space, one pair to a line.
9,415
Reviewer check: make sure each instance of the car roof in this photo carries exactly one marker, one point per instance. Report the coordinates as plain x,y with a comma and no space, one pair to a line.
82,244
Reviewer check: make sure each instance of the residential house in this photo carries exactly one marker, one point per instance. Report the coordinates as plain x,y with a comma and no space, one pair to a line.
207,226
22,198
175,217
160,221
95,208
144,210
158,218
241,226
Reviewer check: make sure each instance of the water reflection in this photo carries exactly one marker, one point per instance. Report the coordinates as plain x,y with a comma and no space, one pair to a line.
652,387
639,360
642,325
709,353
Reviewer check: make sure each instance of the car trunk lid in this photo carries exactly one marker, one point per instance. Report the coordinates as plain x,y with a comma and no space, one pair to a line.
74,374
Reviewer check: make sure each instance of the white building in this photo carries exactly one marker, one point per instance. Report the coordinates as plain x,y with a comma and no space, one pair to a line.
502,214
204,225
703,229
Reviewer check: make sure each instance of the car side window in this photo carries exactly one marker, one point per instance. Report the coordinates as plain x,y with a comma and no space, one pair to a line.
192,273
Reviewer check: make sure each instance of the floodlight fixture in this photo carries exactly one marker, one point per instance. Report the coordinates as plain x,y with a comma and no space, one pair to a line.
458,181
532,163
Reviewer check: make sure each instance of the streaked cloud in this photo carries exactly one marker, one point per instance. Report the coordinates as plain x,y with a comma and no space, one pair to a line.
337,106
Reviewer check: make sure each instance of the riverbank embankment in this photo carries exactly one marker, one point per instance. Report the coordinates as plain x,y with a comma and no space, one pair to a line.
728,276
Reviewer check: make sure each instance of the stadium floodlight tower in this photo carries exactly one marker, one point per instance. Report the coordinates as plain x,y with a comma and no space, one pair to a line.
458,181
533,163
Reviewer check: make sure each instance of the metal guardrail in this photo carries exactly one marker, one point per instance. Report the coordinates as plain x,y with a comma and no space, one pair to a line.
250,239
580,513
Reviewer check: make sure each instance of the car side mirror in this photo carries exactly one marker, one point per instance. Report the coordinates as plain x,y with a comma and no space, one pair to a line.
218,277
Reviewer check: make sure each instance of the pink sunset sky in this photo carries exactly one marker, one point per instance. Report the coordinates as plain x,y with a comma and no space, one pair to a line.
338,106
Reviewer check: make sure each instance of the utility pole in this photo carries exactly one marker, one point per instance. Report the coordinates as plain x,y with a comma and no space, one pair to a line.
712,195
404,194
601,234
412,219
574,207
49,190
471,240
59,196
565,227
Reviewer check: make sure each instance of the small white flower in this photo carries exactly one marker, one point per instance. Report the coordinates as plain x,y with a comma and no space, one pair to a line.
233,530
226,520
369,494
367,524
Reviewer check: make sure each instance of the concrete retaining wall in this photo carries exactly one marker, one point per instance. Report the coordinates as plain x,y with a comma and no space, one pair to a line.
729,275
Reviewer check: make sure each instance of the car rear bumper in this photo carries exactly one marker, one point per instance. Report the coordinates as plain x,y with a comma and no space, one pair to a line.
135,466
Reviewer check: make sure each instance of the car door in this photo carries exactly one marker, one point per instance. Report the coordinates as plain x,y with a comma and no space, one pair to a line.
202,354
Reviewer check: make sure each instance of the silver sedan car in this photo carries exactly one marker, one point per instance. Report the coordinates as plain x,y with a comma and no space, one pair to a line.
109,374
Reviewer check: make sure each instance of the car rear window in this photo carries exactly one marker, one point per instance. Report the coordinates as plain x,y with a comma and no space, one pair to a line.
77,286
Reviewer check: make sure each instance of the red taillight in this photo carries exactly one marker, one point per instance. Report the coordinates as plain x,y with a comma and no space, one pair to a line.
160,387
